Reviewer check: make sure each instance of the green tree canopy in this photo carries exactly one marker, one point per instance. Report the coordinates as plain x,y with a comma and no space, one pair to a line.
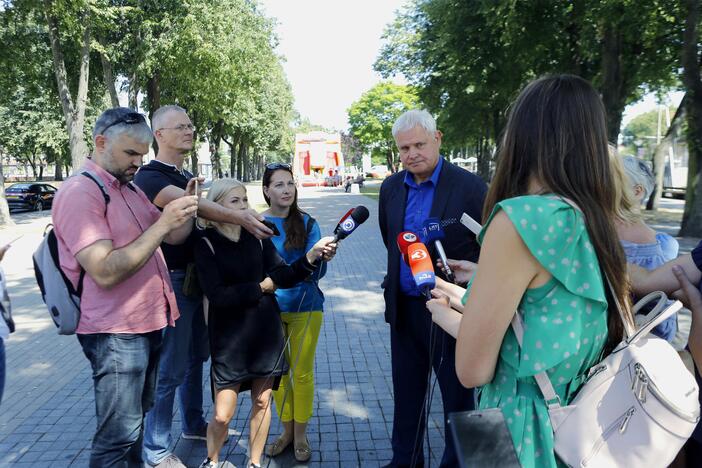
372,116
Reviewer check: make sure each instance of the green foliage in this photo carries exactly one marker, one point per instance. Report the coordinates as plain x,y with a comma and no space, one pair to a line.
469,64
372,116
641,132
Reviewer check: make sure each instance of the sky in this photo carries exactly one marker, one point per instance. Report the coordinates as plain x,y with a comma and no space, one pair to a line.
330,46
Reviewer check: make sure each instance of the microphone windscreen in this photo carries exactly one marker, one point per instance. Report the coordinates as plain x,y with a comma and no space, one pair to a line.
360,214
338,226
421,266
431,230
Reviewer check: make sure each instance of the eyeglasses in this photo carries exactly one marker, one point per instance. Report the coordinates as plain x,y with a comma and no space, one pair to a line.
277,165
128,119
180,128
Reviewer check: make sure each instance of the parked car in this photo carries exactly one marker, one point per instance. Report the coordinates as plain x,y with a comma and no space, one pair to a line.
30,196
378,172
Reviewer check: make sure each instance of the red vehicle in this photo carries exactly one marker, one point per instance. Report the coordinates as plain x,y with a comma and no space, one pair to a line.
318,160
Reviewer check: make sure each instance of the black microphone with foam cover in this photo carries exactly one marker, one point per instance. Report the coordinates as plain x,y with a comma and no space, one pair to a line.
358,216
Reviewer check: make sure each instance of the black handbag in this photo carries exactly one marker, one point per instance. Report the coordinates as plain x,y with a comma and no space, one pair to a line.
482,439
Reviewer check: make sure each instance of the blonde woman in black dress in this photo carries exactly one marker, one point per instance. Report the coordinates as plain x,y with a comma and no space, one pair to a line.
239,275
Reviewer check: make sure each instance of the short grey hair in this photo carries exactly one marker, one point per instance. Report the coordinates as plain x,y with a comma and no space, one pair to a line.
638,173
119,121
159,116
413,118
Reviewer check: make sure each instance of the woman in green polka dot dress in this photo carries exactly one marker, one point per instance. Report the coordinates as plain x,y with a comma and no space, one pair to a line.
545,258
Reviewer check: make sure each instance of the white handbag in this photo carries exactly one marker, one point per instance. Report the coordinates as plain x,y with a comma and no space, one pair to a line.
637,407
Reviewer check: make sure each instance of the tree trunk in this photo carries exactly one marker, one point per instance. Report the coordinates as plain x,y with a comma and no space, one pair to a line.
74,114
133,93
692,217
193,155
240,159
232,153
215,157
58,173
613,96
108,76
658,169
5,218
153,95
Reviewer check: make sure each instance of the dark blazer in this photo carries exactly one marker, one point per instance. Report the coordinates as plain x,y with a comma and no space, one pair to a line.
457,192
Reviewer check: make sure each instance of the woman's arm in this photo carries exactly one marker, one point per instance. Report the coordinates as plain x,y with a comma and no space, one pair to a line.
693,300
507,269
314,236
662,278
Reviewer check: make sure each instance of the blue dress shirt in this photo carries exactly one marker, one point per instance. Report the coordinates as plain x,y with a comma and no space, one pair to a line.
419,200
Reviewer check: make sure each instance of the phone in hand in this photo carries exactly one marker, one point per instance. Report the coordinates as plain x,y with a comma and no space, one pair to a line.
270,225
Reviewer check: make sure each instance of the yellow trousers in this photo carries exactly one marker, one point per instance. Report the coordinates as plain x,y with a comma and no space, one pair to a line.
300,353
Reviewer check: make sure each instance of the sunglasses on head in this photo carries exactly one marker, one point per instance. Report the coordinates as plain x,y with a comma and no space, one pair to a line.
128,119
275,166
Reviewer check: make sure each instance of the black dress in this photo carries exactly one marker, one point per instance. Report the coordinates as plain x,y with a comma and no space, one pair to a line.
245,331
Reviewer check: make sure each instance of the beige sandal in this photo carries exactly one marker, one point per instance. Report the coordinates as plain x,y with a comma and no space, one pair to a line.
278,447
303,451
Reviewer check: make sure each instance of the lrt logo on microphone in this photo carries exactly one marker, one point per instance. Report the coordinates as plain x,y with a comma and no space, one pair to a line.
348,224
409,237
418,255
434,227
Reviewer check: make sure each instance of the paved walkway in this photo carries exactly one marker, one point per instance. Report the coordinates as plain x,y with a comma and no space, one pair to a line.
47,414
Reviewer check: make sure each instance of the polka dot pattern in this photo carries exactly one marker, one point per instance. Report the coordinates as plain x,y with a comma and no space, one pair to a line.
565,324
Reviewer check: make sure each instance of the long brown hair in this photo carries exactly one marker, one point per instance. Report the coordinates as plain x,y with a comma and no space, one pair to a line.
294,225
556,132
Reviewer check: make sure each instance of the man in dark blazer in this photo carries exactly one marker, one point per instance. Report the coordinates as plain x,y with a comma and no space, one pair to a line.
429,186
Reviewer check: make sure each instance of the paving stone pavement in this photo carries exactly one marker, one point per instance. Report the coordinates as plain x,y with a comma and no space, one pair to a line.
47,416
47,413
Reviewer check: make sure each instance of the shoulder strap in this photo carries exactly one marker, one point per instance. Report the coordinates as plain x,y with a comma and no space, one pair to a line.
551,398
92,176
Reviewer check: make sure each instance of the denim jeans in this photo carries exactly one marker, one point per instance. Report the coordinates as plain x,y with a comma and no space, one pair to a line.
124,376
185,348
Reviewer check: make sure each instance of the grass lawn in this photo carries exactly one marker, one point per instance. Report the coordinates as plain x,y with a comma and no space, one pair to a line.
371,190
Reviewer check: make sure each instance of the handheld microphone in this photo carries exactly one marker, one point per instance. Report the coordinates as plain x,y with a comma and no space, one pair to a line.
404,240
422,269
343,218
350,222
434,233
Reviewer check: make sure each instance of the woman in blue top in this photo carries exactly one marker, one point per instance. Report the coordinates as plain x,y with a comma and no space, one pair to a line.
642,245
301,310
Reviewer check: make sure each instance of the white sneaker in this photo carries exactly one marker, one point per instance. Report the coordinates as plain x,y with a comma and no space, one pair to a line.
207,463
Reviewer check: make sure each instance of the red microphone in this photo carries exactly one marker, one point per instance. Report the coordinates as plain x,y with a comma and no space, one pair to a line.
404,240
422,268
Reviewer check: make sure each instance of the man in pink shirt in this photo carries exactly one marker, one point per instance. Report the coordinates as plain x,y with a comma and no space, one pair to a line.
127,294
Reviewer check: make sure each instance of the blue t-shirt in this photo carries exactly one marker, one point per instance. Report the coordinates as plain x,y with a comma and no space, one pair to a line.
650,257
306,295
